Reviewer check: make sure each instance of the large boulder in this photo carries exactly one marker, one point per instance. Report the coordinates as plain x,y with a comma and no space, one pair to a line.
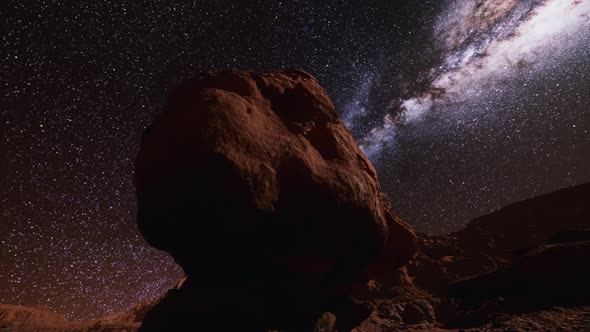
250,179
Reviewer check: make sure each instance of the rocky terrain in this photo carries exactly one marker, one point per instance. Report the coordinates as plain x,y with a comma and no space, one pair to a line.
521,268
27,319
256,188
454,283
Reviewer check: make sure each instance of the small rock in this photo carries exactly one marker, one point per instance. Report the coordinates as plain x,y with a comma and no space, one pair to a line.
326,323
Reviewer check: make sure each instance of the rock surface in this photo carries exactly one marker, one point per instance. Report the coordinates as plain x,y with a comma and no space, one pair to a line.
526,257
257,189
19,318
14,318
551,274
495,240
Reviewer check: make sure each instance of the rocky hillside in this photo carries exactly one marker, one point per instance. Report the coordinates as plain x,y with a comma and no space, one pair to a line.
14,318
483,279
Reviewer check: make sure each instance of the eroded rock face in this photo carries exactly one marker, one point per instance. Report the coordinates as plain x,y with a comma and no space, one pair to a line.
554,274
527,256
498,239
20,318
251,179
15,318
529,222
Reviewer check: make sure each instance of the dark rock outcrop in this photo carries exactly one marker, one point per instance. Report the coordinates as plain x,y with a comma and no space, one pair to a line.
528,222
523,267
551,274
260,193
498,239
528,256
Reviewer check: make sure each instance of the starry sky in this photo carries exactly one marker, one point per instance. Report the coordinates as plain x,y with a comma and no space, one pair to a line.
463,106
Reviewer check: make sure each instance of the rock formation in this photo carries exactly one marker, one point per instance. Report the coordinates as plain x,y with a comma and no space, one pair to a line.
15,318
495,240
549,274
452,283
257,189
19,318
525,257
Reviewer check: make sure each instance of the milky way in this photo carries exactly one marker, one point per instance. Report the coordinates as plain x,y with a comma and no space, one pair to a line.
463,107
485,42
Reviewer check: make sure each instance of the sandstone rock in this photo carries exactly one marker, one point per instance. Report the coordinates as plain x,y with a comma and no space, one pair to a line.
252,182
418,312
530,254
15,318
20,318
555,274
495,240
326,323
528,222
541,246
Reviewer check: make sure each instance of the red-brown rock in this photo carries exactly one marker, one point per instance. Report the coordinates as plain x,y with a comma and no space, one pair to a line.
251,179
16,318
20,318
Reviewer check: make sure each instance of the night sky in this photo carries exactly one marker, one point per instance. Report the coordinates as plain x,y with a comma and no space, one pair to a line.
463,106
